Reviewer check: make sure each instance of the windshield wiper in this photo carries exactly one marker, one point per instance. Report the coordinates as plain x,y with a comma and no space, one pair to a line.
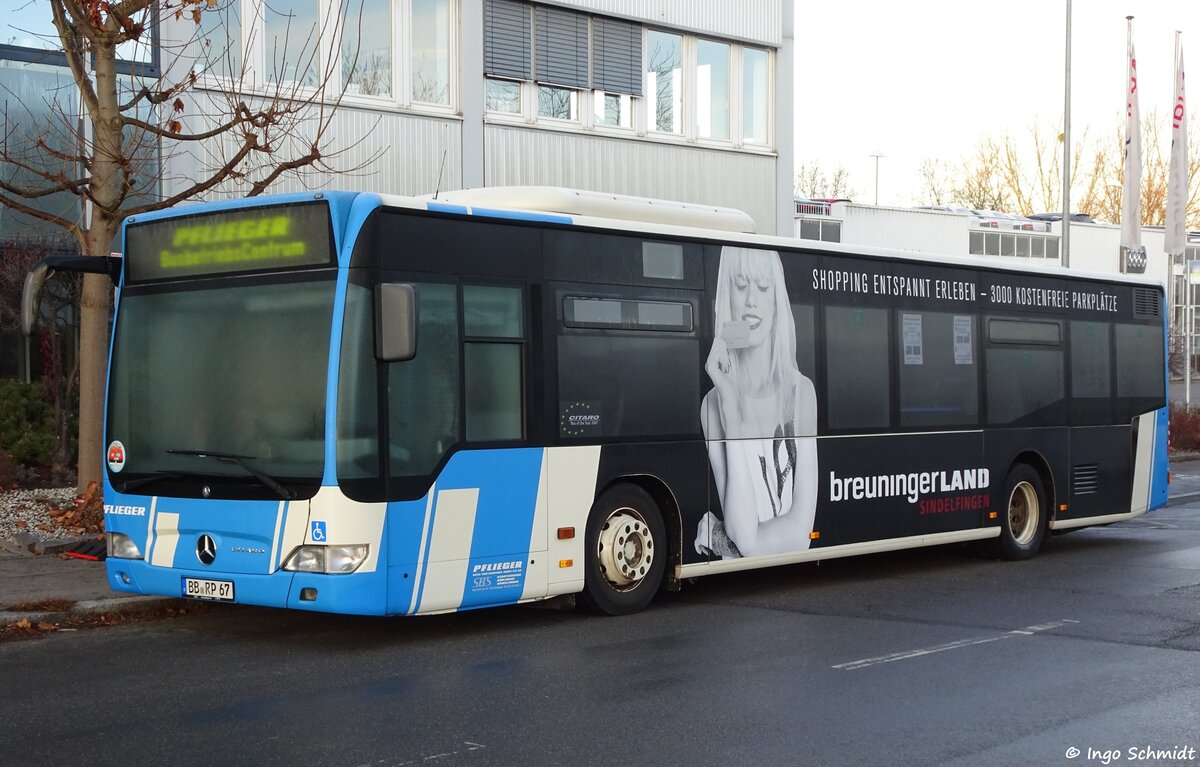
240,460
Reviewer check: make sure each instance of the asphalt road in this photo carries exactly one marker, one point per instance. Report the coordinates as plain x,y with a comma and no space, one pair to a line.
935,657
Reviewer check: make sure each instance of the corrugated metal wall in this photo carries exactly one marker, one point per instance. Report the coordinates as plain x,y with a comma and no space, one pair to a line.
515,156
750,20
387,152
923,231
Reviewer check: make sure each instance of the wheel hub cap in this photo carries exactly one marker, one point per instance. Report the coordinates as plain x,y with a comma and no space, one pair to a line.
626,550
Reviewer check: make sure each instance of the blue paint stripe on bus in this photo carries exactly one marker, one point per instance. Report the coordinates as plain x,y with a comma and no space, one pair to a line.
508,490
443,207
405,520
520,215
507,482
1160,470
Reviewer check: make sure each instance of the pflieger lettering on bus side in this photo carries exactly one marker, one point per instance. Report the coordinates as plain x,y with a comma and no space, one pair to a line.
126,511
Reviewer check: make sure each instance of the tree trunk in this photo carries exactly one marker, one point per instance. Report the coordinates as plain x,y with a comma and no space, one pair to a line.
93,365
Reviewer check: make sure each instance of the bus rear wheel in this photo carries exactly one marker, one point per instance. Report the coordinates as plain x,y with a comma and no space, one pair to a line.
1023,526
626,551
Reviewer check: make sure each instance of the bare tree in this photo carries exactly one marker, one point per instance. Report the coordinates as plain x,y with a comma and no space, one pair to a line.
981,183
936,183
105,145
813,182
1106,180
1025,175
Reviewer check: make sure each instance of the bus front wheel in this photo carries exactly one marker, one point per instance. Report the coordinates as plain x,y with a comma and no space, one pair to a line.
626,551
1023,526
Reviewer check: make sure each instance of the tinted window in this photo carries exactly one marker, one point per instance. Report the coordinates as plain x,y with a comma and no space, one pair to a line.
619,384
423,392
587,312
1091,360
1139,360
857,364
1091,373
939,369
493,388
806,339
1024,385
358,395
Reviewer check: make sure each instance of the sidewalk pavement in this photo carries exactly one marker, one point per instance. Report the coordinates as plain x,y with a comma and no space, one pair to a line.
47,588
52,589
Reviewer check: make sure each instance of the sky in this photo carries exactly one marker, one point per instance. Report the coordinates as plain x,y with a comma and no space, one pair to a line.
929,79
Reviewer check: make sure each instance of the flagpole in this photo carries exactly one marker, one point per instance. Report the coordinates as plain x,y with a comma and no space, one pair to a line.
1176,228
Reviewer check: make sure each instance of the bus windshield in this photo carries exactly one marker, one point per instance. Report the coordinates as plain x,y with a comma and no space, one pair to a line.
233,366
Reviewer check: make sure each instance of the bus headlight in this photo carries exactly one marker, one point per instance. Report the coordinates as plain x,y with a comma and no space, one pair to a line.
121,546
326,559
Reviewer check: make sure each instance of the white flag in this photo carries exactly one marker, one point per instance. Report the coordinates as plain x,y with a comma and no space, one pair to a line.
1177,180
1131,204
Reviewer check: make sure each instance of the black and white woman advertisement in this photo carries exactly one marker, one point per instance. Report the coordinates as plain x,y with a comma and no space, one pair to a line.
759,418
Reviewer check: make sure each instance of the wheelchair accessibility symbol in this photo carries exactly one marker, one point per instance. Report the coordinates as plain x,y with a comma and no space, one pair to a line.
317,533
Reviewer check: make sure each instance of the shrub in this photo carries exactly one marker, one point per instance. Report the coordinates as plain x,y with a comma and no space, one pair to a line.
1185,428
27,423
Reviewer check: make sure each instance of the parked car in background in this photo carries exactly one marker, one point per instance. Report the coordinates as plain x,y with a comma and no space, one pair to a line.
1081,218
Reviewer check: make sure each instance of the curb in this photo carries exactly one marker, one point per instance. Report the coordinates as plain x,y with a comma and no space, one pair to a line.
137,604
27,544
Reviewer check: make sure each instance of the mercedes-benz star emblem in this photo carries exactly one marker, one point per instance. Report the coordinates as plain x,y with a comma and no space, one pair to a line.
206,549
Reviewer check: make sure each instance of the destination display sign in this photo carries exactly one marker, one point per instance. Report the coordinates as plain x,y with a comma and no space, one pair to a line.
231,241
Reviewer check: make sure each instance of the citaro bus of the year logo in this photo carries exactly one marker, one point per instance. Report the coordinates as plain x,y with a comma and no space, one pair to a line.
116,456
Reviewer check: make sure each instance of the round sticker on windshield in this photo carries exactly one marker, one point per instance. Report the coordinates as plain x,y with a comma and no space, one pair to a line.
116,456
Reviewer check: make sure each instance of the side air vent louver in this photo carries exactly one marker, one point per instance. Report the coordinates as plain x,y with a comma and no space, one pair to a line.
1146,303
1085,479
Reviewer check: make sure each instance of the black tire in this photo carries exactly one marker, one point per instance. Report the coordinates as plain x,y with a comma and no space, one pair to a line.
1024,515
626,552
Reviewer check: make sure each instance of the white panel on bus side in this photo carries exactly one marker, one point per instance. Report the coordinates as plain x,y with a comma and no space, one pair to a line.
572,488
166,537
449,550
1143,462
349,523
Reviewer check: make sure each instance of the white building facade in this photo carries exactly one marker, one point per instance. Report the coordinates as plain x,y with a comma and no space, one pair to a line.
655,98
688,101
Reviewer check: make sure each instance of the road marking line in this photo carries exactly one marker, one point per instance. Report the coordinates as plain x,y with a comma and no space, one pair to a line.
909,654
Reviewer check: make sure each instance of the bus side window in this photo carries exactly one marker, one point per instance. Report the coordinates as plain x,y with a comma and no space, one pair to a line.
857,363
939,369
423,393
493,331
1026,382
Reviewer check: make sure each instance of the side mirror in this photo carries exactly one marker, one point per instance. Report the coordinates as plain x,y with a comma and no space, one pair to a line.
110,265
30,295
395,322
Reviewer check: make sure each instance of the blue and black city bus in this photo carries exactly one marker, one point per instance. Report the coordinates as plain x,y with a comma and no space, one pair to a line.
366,404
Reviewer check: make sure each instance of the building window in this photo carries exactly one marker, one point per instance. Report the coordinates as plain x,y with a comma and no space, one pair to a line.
756,98
557,103
614,109
664,82
357,45
292,40
367,47
502,96
712,90
824,230
540,61
220,41
430,41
